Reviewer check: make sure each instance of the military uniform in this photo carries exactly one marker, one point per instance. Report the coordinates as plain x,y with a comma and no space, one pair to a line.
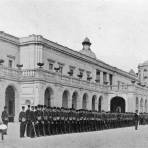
28,121
22,120
45,119
32,123
5,118
136,119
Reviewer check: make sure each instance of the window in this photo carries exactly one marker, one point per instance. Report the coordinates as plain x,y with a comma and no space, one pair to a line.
88,75
10,62
111,79
61,69
61,65
50,66
71,70
80,75
104,77
97,76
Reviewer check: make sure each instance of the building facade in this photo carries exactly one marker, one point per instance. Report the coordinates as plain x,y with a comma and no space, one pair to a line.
34,70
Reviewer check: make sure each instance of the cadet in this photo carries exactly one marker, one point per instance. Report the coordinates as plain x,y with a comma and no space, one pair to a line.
22,120
36,121
4,117
32,125
50,120
28,121
136,118
45,118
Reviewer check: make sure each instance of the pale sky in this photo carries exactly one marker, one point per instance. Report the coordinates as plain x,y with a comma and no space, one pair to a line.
118,29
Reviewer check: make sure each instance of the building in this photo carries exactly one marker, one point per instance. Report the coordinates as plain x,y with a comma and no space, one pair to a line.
34,70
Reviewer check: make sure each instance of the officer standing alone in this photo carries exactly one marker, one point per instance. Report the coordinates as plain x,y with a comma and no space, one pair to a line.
4,117
136,119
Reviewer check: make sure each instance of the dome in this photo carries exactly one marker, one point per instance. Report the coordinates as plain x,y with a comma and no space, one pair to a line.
132,72
88,53
86,41
86,48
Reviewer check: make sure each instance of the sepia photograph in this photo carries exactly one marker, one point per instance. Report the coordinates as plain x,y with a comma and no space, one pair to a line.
73,73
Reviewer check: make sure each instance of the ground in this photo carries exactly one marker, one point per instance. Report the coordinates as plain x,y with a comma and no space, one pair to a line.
113,138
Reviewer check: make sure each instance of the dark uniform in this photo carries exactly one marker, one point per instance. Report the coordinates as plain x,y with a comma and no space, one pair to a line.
32,125
4,117
22,120
136,119
28,121
45,119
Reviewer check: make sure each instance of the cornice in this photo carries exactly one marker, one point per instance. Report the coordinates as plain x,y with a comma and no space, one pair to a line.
38,39
9,38
35,39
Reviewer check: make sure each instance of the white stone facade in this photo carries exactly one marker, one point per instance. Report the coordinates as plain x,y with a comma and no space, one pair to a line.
68,78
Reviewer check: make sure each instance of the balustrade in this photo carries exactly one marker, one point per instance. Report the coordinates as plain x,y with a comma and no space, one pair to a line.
39,73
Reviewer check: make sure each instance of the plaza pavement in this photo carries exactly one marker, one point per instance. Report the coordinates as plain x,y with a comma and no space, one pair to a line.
113,138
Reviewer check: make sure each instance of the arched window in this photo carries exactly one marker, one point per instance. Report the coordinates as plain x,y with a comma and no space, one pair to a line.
74,100
100,103
65,99
94,102
84,101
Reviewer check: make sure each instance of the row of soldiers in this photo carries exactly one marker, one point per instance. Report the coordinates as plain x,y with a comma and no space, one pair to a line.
43,120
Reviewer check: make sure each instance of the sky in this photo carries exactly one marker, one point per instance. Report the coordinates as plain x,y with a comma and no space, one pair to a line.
117,29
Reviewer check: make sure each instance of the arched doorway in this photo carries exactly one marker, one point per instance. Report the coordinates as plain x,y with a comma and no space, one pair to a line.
74,100
94,103
65,98
10,102
84,101
117,104
48,96
100,103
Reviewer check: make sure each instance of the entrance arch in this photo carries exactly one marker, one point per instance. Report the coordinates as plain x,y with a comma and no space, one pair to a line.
100,103
74,100
94,102
48,96
65,99
117,104
84,101
10,102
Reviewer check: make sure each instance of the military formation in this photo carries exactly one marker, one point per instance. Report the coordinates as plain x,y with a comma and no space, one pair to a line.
43,120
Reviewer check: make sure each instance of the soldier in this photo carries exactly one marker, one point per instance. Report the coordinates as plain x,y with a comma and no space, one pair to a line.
32,125
28,121
45,118
136,119
54,118
50,120
22,120
40,120
66,121
62,122
4,118
36,121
